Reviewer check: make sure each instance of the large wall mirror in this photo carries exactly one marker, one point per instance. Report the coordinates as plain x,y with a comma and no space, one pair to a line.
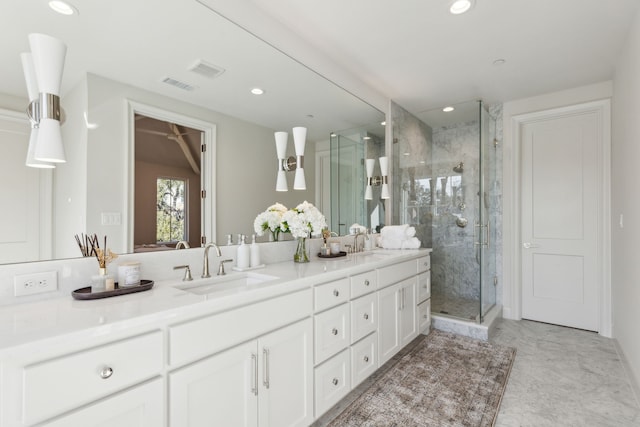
174,58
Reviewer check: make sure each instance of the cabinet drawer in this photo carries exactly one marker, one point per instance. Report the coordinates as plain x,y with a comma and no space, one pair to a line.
331,332
364,359
202,337
424,263
332,382
363,283
395,273
331,294
58,385
364,316
424,316
424,286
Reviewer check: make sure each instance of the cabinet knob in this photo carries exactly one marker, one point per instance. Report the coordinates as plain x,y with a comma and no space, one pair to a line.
366,359
335,381
366,282
426,316
366,316
334,331
426,263
335,292
106,372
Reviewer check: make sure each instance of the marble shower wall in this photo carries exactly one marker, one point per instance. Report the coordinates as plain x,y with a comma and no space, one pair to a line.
431,196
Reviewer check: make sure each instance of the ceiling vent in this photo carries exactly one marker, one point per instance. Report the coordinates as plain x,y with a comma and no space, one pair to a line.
206,69
178,84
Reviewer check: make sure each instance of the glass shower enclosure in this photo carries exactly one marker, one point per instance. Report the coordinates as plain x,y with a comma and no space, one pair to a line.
444,184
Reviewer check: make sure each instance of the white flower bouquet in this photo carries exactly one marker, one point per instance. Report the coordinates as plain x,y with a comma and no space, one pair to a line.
303,220
271,220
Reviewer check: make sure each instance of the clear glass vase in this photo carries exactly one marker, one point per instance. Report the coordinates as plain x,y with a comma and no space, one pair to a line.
301,251
275,235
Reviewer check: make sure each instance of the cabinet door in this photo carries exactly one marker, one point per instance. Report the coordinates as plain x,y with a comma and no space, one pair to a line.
220,390
140,406
286,377
408,312
388,325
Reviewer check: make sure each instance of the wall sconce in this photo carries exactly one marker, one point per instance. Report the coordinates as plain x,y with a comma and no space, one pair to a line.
377,180
43,72
289,164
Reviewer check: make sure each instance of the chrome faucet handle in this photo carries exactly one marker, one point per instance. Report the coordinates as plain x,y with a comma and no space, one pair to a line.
348,248
221,271
187,272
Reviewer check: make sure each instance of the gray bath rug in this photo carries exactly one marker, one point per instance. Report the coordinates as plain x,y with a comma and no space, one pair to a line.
446,380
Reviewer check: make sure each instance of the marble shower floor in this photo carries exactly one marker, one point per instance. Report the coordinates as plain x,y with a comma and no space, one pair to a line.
560,377
563,377
458,307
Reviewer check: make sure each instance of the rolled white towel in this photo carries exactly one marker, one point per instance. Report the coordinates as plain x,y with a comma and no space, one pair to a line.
412,243
410,232
394,231
387,243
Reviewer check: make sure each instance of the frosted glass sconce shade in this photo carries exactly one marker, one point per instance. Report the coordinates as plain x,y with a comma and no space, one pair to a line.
368,192
384,171
289,164
299,141
43,69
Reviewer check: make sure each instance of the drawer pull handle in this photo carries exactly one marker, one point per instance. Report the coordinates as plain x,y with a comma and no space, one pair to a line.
106,372
366,282
336,293
366,316
366,359
335,381
334,331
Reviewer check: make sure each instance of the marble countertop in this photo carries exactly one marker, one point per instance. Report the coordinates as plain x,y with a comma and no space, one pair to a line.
50,319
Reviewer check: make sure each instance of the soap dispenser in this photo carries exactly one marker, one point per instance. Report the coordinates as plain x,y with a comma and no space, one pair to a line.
255,252
243,254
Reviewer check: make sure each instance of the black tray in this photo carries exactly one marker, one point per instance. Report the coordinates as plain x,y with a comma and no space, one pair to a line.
339,254
85,293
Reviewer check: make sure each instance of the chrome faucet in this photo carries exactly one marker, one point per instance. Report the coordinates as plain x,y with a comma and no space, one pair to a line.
356,248
182,244
205,267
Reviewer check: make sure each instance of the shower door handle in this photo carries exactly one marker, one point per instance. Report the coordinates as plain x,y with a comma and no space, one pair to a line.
528,245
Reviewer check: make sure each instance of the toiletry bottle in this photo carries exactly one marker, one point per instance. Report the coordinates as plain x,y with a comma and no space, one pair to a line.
255,252
368,238
229,240
243,254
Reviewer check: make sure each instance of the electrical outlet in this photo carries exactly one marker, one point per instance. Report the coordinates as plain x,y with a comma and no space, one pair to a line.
36,283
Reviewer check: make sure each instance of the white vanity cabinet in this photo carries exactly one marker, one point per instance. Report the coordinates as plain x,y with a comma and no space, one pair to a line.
39,387
397,308
264,382
424,294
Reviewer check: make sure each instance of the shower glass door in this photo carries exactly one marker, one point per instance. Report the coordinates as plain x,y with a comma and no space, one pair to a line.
487,212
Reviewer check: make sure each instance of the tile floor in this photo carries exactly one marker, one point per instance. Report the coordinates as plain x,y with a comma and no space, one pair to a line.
560,377
563,377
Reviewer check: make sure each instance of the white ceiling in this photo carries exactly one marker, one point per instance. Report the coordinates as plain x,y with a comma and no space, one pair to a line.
418,54
411,51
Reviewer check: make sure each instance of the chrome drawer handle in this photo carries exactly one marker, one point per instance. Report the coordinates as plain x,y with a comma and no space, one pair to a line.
106,372
366,282
334,331
335,381
335,292
366,359
366,316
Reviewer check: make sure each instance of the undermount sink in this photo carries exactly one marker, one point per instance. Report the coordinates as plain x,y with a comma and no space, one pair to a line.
232,282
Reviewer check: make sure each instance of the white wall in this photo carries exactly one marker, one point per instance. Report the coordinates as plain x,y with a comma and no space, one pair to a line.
626,200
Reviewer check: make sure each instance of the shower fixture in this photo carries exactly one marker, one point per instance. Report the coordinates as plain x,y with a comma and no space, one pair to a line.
459,167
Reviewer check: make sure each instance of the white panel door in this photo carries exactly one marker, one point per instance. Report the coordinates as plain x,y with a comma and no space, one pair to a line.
560,205
20,232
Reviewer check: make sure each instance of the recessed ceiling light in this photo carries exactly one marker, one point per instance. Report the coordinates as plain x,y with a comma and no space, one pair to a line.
366,138
257,91
459,7
383,123
448,109
407,154
499,61
422,162
333,135
62,7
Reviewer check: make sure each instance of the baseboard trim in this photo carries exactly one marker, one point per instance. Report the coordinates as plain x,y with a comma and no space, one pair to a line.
633,381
